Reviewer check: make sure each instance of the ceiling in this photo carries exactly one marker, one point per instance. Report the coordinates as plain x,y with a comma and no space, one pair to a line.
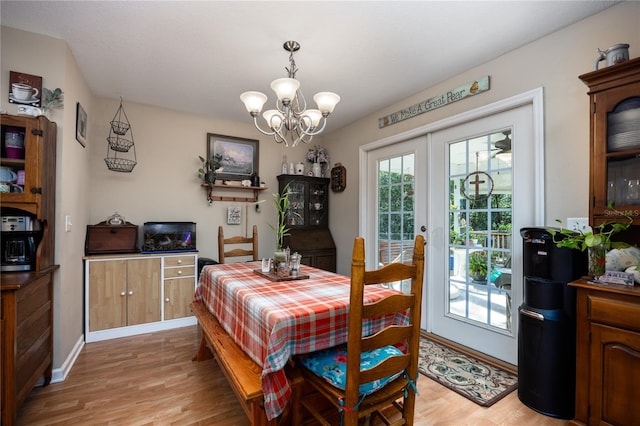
198,56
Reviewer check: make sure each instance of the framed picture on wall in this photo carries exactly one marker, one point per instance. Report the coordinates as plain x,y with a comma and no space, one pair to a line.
238,156
25,89
81,125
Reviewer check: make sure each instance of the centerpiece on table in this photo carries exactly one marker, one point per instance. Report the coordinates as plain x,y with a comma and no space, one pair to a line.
597,242
281,203
319,157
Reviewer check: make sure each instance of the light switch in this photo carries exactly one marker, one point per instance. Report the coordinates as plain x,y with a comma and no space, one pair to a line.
67,223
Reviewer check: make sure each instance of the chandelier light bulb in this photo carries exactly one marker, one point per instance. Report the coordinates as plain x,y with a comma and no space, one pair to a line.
253,101
285,88
273,118
314,116
326,101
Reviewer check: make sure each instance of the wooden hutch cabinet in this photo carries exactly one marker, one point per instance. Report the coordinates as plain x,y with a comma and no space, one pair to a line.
308,220
614,187
608,354
26,316
608,317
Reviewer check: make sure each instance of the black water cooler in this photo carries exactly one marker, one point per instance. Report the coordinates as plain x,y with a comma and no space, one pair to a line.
547,336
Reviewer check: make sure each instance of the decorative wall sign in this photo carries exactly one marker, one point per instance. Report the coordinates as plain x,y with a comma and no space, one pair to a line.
234,215
454,95
25,89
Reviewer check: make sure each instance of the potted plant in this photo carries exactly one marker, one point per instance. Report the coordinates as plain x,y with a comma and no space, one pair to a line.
478,266
51,99
209,168
596,241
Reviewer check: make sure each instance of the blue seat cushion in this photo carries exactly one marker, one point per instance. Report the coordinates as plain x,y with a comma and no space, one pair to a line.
331,364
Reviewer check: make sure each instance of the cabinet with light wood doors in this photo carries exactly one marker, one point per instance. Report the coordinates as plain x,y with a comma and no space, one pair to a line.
138,293
607,354
614,186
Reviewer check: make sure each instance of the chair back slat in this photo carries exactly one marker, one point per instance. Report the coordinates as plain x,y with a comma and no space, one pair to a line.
385,369
223,242
392,304
387,337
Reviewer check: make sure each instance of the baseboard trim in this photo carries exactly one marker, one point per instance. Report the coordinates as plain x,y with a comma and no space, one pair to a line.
510,368
60,374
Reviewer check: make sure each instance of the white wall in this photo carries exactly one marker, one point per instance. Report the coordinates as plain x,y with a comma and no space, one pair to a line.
554,63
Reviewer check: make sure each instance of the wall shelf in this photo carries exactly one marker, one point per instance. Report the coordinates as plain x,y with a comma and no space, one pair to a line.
211,188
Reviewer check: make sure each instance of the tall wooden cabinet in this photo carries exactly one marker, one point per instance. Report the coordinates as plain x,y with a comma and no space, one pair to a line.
608,317
26,316
608,355
308,220
614,187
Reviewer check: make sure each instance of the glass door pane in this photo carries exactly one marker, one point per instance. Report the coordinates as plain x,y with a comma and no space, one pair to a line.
480,229
395,213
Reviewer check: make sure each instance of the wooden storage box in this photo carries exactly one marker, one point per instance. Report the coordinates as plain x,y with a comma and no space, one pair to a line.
105,239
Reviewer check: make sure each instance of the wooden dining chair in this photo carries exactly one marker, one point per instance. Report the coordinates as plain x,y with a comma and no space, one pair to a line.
371,373
241,245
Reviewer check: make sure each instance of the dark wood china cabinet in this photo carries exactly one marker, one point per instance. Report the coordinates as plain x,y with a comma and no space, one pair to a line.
614,187
308,220
608,317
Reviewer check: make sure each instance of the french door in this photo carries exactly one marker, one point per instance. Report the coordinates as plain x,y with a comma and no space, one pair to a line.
474,182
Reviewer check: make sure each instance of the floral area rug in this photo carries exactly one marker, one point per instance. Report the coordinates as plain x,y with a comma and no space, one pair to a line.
481,383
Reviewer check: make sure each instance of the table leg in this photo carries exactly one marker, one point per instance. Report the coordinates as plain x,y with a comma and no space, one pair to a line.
203,353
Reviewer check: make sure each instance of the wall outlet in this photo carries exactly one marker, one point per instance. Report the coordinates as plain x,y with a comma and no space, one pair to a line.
578,224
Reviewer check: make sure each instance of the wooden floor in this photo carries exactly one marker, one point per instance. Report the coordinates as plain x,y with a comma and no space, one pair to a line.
151,380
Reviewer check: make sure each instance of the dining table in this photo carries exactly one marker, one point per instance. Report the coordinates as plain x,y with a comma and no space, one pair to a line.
273,320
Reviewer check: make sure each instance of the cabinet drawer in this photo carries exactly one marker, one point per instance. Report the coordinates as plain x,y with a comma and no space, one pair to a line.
614,311
187,271
179,261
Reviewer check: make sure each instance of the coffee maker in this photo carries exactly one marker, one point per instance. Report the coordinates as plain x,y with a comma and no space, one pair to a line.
20,238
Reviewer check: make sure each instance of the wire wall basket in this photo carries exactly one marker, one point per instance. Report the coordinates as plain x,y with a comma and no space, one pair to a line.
120,164
117,144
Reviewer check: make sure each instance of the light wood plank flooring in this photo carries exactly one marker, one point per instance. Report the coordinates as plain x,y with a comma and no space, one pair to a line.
151,380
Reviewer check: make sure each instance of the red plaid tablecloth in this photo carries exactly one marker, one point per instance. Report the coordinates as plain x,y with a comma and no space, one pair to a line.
271,321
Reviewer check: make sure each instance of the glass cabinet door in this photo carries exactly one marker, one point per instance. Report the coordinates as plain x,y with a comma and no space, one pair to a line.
297,196
623,154
19,165
317,204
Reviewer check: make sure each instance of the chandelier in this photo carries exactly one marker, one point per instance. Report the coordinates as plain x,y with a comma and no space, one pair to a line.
291,121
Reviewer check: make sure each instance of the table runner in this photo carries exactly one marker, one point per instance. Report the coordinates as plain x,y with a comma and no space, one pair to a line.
271,321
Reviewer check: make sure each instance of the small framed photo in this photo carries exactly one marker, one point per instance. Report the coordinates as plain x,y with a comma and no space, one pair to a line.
25,89
81,125
234,215
238,156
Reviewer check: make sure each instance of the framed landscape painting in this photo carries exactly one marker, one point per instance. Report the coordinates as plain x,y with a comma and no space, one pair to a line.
238,156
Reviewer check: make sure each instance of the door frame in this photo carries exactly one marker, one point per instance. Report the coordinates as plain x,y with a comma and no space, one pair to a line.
535,97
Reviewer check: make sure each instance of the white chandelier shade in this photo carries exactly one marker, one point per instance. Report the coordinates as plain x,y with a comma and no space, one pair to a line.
291,122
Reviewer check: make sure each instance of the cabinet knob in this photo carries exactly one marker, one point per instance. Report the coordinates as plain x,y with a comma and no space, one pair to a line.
179,261
180,272
131,293
123,293
167,300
